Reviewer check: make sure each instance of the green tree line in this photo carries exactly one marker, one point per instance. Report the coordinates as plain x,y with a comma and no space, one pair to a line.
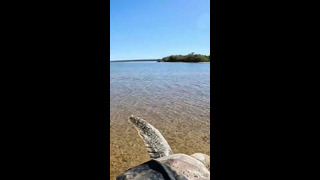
186,58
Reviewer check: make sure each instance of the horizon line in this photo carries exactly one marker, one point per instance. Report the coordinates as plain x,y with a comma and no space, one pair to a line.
135,60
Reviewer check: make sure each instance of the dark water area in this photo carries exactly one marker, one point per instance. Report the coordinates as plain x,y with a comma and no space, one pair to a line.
174,97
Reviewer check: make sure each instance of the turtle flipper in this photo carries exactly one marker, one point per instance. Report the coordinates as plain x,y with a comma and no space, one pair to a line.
156,144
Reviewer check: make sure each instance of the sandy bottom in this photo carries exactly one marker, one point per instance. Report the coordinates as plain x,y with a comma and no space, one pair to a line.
127,149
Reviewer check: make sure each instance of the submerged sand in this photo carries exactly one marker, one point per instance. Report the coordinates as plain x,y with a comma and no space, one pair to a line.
127,149
173,97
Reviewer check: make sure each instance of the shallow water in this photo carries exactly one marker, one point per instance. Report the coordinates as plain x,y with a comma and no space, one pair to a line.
173,97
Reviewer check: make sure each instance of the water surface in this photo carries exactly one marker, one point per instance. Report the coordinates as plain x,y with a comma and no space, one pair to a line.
174,97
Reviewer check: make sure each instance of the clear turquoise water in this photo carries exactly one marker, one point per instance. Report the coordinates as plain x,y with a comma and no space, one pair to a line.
160,91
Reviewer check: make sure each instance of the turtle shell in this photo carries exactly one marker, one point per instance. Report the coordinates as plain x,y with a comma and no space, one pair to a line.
151,170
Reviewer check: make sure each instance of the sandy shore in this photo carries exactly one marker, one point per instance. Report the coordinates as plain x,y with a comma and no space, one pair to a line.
128,150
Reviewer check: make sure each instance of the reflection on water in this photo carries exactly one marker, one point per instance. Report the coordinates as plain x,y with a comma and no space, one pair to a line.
174,97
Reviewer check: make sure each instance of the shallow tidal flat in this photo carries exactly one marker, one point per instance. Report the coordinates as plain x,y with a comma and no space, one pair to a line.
173,97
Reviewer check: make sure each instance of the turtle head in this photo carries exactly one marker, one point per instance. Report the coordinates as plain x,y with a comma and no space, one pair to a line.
156,144
137,122
205,159
134,120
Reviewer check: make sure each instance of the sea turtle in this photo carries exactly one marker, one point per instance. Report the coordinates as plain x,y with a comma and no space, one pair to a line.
165,164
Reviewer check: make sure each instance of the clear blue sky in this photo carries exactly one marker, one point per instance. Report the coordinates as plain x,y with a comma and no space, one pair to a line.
151,29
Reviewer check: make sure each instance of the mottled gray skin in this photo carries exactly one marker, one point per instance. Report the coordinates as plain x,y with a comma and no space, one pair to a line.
156,144
194,167
189,167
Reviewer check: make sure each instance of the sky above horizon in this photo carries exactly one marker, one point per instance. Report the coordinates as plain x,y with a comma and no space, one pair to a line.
154,29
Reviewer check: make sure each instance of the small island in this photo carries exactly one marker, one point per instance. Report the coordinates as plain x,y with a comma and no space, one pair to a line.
192,58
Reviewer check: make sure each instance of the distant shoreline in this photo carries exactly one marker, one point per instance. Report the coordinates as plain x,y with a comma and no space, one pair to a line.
190,58
156,61
136,60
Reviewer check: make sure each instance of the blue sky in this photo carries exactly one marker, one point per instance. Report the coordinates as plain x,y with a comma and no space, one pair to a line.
151,29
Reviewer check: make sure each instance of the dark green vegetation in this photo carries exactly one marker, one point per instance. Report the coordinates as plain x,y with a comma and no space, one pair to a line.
186,58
